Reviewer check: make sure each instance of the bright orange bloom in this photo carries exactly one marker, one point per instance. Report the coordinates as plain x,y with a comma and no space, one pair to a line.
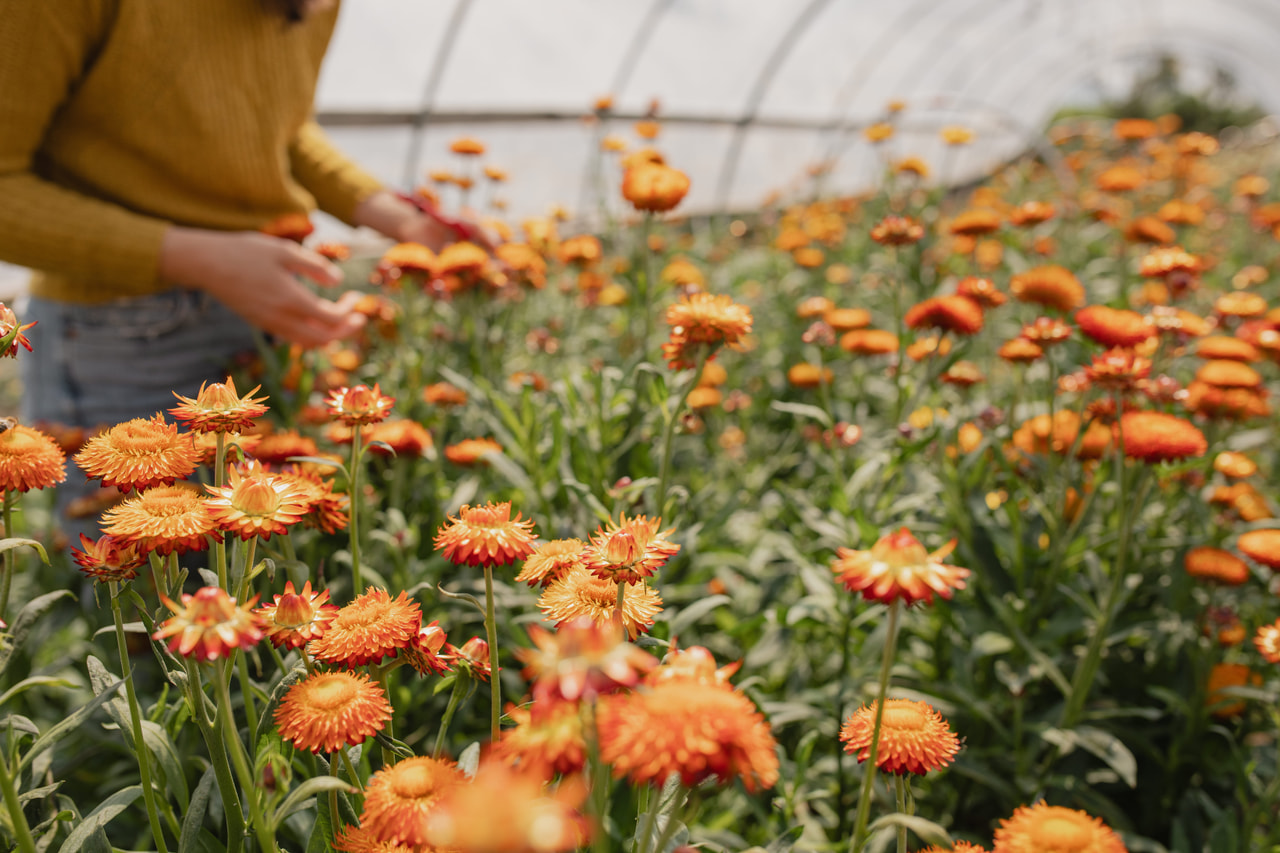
629,549
472,658
357,839
471,450
654,187
164,519
1051,286
294,619
1160,437
1133,129
700,323
581,659
209,625
405,438
11,331
1020,351
580,593
847,319
466,261
1225,373
532,819
1038,436
1114,327
551,561
914,738
405,259
897,231
327,510
219,408
1031,213
1164,262
1215,564
981,290
425,652
547,739
444,395
467,146
485,536
1234,465
400,798
1262,546
898,566
1239,404
963,374
956,134
256,504
1118,369
276,448
975,222
1225,675
958,847
696,730
869,342
360,405
912,166
139,453
1119,179
108,558
806,375
1267,641
1043,828
329,710
958,314
372,627
1226,347
29,459
583,250
1148,229
1180,212
1046,331
878,132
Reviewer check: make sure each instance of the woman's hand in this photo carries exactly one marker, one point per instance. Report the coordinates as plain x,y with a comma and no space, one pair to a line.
256,276
406,222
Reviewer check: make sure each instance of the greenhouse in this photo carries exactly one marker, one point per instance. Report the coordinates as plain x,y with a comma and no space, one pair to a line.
644,426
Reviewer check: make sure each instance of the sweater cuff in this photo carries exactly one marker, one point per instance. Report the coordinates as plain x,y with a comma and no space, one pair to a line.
337,183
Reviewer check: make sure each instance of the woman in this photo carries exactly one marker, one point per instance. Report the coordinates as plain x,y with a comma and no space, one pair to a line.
144,145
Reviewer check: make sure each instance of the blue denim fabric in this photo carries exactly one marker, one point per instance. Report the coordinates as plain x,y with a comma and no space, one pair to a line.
100,365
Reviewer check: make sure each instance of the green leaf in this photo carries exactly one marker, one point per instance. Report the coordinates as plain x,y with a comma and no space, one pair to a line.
926,830
15,542
68,725
299,796
687,616
1102,744
100,817
193,819
803,410
34,681
27,617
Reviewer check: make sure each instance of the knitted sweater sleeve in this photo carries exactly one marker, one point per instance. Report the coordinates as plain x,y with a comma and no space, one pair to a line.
338,184
44,50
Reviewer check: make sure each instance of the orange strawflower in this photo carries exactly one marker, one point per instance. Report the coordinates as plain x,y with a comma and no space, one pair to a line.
278,447
1148,229
360,405
869,342
471,450
1020,351
914,738
806,375
847,319
581,659
399,799
1113,327
1046,331
975,222
29,459
219,408
472,658
1234,465
695,663
357,839
108,558
533,820
1226,403
1225,373
1267,641
700,323
963,374
372,627
1134,129
956,134
256,504
654,187
1160,437
138,454
164,519
403,436
1118,179
696,730
583,250
981,290
11,333
898,566
1118,369
551,561
209,625
425,651
444,395
327,510
1031,213
485,536
1215,564
405,259
294,619
957,847
467,146
1042,828
630,549
1240,303
1051,286
958,314
897,231
1168,261
329,710
1262,546
547,739
878,132
580,593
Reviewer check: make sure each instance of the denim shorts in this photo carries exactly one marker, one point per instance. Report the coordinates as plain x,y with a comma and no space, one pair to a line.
100,365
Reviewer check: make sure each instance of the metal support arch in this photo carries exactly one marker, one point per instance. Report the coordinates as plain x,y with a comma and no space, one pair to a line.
448,38
756,95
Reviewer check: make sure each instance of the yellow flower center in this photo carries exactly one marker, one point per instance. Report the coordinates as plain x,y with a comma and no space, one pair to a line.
487,516
293,611
169,503
621,549
1061,833
903,719
331,691
413,783
139,438
900,550
256,497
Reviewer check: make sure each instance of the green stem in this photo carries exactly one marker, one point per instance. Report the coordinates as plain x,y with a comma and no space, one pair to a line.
650,818
491,632
218,757
900,786
351,770
135,718
21,829
461,682
598,778
246,571
246,691
231,737
7,581
333,795
669,432
869,774
353,529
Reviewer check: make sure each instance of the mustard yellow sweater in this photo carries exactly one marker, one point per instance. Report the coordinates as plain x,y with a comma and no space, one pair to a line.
121,117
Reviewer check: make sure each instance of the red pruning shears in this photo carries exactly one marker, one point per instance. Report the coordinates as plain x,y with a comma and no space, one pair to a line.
462,229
